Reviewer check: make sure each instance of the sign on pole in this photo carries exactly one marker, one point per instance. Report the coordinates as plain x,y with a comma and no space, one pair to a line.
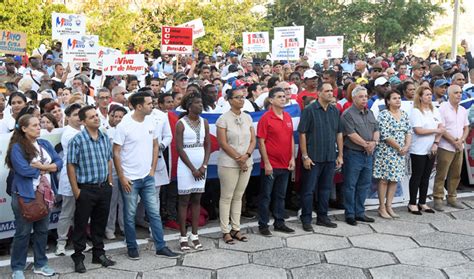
124,64
254,42
176,40
280,52
67,24
13,42
80,48
292,36
198,27
311,51
99,60
329,47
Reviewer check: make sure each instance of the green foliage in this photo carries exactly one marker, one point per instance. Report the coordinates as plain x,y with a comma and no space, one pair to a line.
30,16
365,25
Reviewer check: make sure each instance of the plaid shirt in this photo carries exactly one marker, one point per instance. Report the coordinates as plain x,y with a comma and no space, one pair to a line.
90,157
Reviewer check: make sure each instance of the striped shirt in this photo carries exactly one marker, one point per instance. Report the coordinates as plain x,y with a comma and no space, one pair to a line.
90,157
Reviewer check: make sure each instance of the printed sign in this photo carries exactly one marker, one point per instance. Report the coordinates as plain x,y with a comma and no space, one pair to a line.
197,26
124,64
291,36
329,47
256,42
99,60
279,52
176,40
310,51
67,24
13,42
80,48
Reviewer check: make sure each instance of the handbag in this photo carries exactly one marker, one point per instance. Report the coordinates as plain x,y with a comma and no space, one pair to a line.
38,208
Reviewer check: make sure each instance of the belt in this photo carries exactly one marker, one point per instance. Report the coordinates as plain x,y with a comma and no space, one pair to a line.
93,185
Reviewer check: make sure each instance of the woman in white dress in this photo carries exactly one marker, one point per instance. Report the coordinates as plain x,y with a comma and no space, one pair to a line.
193,145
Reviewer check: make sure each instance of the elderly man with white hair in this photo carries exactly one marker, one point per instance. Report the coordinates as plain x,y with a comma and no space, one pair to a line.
361,136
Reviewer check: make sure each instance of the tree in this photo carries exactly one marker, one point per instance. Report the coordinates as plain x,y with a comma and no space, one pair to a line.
365,25
32,17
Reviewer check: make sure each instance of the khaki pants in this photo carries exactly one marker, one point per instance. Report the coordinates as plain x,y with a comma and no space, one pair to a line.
448,167
233,184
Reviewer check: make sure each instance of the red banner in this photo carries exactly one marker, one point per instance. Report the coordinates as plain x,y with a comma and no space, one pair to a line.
176,40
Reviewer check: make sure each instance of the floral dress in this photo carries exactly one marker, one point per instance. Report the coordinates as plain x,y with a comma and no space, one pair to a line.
389,164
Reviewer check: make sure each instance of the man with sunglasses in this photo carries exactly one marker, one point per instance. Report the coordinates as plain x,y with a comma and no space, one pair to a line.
10,75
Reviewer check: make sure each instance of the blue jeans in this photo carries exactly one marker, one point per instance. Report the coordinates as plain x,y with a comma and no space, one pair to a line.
21,240
145,188
277,184
357,170
318,179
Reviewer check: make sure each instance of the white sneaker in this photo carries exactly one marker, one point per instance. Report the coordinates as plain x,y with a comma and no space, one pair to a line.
109,235
88,248
60,249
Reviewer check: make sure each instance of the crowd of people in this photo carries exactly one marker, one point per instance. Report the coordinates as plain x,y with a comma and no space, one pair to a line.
135,149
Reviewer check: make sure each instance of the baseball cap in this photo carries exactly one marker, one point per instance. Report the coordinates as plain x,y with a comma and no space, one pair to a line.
362,79
49,56
236,84
440,82
447,65
380,81
303,64
437,71
394,80
181,76
309,74
9,60
233,54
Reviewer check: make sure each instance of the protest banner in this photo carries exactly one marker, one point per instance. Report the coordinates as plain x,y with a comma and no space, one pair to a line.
310,51
80,48
176,40
280,52
124,64
13,42
198,27
291,36
67,24
99,60
254,42
329,47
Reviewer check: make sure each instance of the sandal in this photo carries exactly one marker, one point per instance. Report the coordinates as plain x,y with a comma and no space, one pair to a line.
239,236
228,239
183,243
195,240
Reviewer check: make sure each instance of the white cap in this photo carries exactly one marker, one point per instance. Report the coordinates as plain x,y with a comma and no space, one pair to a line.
310,74
380,81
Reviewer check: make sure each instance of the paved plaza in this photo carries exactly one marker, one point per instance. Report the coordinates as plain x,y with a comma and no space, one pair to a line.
431,246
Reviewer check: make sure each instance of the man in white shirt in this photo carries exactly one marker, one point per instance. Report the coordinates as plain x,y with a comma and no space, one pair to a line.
102,99
136,150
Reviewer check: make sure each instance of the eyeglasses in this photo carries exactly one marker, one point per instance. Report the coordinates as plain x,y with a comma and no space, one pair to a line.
377,70
103,98
288,89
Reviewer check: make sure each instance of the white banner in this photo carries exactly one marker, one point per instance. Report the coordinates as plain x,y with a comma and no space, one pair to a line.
292,36
67,24
310,51
124,64
254,42
80,48
99,60
329,47
198,27
279,52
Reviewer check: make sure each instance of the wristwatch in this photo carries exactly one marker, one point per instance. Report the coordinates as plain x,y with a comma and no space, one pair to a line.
204,166
305,157
248,154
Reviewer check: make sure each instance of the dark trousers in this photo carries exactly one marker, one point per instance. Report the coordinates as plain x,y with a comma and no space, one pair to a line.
169,201
319,180
276,184
421,167
93,203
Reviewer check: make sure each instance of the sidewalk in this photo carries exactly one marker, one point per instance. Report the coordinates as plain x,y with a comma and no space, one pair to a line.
431,246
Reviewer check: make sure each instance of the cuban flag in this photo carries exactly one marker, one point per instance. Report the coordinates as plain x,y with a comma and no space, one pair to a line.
294,112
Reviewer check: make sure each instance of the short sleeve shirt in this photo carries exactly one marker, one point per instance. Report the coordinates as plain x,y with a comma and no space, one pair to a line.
357,121
278,136
238,136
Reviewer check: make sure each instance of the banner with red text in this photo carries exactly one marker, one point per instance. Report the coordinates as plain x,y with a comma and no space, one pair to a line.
198,27
99,61
125,64
176,40
291,36
67,24
254,42
329,47
12,42
80,48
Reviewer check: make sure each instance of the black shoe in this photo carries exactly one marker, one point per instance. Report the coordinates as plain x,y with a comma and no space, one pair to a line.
283,228
365,218
351,221
308,228
247,215
414,212
166,252
133,254
326,223
103,260
265,231
79,267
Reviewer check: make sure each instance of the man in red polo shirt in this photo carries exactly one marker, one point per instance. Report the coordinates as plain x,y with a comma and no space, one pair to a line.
311,84
276,145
